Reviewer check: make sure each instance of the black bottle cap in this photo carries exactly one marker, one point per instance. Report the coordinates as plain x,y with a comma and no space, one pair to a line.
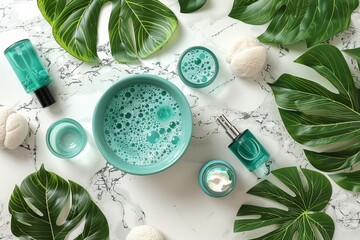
44,96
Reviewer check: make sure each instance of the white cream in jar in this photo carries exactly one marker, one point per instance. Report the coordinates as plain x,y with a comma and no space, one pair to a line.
218,180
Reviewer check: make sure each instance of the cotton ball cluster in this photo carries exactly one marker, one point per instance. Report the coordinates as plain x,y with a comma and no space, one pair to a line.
246,57
13,128
144,232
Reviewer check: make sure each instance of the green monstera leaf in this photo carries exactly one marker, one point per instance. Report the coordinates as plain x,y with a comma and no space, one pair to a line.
314,21
137,28
327,122
188,6
38,206
304,217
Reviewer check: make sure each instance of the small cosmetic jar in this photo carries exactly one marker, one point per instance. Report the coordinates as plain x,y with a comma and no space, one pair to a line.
217,178
198,67
66,138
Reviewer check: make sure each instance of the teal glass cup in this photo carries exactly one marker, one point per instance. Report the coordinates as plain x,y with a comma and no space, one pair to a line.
66,138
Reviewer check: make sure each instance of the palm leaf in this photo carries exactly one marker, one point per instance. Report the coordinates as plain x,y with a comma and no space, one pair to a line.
291,21
36,207
316,117
188,6
304,216
137,28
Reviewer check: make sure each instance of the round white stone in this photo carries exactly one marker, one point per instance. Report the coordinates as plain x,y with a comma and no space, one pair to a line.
144,232
13,128
246,57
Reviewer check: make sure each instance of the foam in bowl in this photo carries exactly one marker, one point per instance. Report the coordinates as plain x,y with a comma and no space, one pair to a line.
142,124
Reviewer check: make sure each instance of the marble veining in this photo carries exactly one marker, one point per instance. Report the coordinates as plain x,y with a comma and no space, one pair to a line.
159,200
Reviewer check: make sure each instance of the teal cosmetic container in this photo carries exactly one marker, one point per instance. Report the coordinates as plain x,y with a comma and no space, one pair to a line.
198,67
29,69
245,146
66,138
213,172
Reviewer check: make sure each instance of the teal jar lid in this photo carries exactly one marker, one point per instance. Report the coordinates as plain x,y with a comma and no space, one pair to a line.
222,169
66,138
198,67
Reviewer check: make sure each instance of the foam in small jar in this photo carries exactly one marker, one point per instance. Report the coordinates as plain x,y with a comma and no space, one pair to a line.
198,66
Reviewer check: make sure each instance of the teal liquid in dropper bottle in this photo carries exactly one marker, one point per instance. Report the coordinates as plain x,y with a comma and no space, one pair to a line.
245,146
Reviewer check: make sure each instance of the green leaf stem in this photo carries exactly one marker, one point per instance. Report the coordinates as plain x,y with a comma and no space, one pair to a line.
137,28
317,117
303,218
36,205
188,6
314,21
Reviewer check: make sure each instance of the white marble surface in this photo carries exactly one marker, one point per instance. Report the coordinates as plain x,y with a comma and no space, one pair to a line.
172,201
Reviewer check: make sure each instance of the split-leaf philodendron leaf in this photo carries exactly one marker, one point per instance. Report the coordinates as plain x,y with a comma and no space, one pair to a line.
326,121
137,28
314,21
38,206
304,216
188,6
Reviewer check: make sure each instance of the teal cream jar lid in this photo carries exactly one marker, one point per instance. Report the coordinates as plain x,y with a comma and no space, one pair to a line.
217,178
66,138
198,67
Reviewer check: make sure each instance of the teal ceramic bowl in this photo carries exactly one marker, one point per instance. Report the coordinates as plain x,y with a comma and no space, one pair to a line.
142,124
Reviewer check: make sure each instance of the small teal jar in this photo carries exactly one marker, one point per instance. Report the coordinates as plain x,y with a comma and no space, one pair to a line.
217,178
66,138
198,67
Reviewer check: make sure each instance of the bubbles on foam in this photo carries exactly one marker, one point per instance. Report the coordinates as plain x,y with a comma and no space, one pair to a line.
153,137
198,66
142,124
172,124
164,113
175,140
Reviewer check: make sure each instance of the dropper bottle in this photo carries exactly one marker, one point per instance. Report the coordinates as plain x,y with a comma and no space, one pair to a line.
245,146
29,69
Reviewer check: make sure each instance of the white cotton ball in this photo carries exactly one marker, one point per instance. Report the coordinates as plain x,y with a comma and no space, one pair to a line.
144,232
243,43
13,128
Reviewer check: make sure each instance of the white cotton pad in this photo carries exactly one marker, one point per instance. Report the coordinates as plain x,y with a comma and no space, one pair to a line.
144,232
246,57
13,128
